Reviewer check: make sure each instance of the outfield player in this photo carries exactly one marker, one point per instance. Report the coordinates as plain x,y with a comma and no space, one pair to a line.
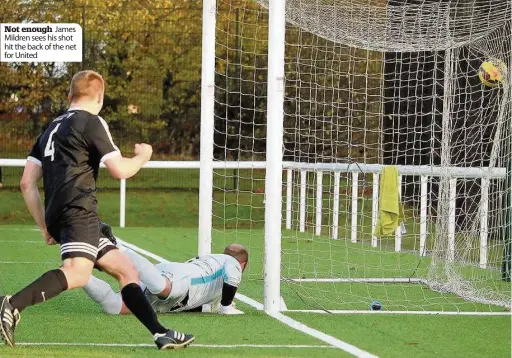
180,287
67,156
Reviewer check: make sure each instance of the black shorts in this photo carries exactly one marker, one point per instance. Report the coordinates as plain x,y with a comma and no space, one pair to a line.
78,233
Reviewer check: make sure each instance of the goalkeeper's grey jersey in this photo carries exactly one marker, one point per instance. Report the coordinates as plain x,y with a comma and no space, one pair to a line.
201,278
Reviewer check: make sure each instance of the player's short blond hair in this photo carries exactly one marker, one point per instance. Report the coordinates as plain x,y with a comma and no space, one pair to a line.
238,252
86,84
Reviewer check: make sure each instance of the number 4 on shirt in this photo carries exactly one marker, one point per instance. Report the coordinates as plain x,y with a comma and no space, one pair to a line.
49,150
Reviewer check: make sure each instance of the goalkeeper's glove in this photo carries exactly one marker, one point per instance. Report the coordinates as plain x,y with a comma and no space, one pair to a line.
229,310
215,305
106,232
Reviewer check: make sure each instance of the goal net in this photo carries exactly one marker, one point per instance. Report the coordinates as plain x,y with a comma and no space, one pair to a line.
422,86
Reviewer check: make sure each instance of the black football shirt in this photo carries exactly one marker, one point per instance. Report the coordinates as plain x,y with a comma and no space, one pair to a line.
70,150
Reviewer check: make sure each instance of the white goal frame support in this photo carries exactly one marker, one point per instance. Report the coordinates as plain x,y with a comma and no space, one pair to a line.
207,127
274,155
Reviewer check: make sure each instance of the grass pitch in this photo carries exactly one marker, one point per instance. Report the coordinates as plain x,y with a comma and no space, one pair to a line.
165,221
74,320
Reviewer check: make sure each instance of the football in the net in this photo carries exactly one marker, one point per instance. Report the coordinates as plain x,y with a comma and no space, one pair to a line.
376,306
492,72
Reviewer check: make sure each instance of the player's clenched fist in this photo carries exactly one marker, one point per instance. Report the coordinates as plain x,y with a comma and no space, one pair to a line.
144,150
48,239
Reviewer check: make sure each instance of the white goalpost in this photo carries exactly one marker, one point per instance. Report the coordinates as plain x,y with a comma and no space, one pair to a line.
207,127
274,159
305,102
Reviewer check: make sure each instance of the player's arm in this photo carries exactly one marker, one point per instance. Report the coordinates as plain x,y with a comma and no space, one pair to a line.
31,174
228,295
98,138
232,280
124,168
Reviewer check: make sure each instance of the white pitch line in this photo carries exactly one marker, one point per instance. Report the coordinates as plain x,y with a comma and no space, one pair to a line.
16,229
426,313
249,301
144,345
22,241
279,316
347,347
29,263
142,251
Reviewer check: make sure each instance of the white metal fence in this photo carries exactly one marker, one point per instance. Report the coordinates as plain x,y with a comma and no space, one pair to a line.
304,169
424,172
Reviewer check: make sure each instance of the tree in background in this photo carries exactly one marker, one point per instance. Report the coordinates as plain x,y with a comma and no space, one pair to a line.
149,55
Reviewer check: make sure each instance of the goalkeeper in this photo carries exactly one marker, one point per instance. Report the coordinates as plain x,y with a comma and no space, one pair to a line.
179,287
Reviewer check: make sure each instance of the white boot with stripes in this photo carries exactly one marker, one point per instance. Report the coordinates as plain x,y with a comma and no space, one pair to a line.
9,319
173,340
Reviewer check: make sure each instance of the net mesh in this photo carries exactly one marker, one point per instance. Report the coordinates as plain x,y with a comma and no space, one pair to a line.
370,83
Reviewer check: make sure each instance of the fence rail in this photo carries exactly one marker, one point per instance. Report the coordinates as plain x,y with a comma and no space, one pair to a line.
303,169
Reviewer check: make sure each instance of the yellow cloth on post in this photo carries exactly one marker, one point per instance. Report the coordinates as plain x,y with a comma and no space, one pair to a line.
390,207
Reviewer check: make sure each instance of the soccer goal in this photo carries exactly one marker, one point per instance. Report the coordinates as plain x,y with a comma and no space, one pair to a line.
306,102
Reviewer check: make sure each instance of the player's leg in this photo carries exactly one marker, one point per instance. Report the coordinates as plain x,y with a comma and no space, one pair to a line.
152,277
101,293
120,267
149,275
79,244
115,263
98,290
75,271
49,285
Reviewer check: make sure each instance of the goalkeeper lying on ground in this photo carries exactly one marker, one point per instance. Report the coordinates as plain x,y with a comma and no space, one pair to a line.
179,287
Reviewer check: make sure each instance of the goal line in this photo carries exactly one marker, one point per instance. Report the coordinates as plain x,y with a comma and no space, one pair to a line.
419,313
399,280
358,280
334,342
145,345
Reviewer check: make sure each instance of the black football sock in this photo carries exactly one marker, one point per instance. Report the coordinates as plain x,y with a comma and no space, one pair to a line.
137,303
47,286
